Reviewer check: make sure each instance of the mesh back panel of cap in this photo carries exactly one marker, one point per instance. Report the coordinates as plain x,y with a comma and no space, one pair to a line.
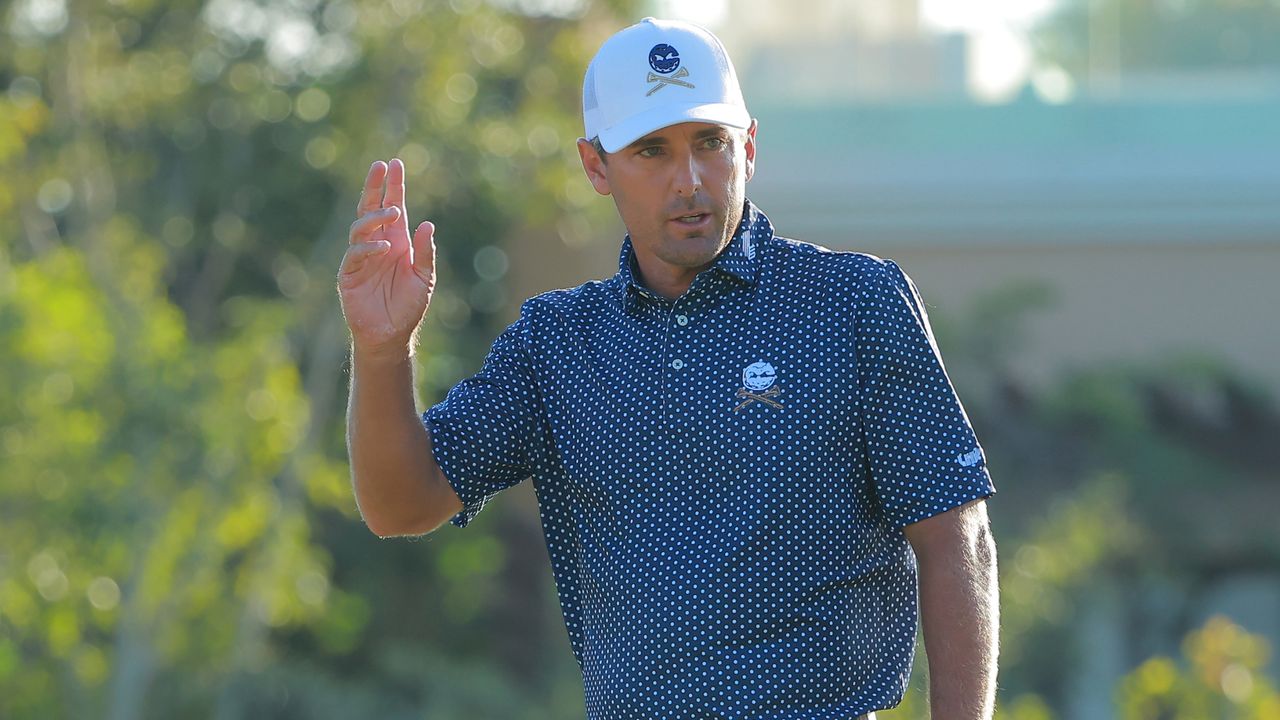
589,101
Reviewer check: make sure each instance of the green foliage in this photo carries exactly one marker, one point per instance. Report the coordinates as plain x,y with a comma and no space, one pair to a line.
1042,577
150,502
176,184
1223,676
1043,573
1024,707
1100,475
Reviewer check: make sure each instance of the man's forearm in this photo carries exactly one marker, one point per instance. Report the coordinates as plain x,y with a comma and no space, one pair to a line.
397,483
960,611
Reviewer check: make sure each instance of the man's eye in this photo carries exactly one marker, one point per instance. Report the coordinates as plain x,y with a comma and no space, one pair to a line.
651,151
715,143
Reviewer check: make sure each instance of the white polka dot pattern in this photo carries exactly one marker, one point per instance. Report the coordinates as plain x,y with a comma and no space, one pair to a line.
723,479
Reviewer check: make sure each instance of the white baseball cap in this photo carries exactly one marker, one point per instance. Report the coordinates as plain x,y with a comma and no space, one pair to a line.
658,73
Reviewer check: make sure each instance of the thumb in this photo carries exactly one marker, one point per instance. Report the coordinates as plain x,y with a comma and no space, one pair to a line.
424,250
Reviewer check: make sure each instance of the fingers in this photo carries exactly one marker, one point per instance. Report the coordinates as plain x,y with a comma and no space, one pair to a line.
367,226
360,253
371,196
395,184
395,193
424,250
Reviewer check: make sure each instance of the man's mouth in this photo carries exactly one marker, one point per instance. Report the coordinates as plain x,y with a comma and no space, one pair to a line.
692,219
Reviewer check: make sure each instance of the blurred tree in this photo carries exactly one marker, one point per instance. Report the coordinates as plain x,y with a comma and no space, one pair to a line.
1104,477
1224,677
153,512
1042,576
176,183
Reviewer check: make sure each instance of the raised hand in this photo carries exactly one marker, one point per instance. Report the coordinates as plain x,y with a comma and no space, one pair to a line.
386,280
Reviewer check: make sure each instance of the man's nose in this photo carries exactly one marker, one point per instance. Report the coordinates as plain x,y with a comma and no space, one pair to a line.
688,180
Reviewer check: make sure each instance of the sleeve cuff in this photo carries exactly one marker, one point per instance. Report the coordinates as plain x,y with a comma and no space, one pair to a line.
471,503
950,501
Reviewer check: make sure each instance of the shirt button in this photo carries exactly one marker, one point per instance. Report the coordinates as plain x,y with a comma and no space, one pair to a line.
677,364
682,320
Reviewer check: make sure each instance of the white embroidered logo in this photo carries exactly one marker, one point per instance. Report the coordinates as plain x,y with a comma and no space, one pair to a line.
971,458
747,248
758,385
759,376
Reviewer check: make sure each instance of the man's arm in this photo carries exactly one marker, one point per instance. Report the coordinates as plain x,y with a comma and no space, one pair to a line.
385,283
960,610
399,488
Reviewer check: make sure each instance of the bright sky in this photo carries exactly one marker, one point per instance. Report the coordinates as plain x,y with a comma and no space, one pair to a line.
983,14
999,55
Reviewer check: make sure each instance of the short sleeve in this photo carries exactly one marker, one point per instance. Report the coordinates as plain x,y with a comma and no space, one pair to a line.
484,433
924,457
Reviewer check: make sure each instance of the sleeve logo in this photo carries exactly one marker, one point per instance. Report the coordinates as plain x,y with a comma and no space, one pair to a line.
971,458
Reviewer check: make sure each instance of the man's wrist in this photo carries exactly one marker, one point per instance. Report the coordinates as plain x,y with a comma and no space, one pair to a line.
389,355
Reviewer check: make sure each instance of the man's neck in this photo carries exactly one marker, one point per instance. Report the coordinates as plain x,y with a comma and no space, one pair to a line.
667,282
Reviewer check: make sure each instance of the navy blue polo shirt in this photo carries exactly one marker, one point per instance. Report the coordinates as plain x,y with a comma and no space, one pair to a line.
723,479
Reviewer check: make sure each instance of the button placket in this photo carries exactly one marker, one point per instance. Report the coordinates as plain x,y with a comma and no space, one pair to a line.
677,345
677,363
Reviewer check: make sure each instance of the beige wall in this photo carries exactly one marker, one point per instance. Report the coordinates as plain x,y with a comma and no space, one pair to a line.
1131,303
1112,302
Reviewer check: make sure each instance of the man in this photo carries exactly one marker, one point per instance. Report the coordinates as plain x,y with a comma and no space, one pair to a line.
745,448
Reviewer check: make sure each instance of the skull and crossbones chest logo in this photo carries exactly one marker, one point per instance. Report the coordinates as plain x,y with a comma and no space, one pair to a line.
759,384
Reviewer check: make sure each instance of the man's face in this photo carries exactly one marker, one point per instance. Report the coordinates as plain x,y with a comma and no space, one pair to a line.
679,191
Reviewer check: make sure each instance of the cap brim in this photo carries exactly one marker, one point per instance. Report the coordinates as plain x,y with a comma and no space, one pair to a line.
624,133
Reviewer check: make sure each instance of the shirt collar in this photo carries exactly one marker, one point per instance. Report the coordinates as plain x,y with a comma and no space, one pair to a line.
740,259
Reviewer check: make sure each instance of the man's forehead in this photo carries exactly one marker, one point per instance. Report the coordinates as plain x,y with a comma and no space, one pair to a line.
684,129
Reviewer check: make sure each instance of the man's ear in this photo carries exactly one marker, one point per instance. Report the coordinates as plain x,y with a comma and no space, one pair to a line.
593,166
749,147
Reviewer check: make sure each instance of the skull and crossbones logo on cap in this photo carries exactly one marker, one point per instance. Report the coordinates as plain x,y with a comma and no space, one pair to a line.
665,60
